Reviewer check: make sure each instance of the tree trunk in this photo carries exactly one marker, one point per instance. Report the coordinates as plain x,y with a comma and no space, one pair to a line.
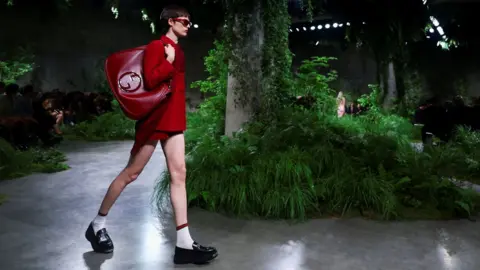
391,91
245,83
236,113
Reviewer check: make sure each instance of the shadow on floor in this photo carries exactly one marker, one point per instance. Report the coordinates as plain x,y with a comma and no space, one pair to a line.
95,260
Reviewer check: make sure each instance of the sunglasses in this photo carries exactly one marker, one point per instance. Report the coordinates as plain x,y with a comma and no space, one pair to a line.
185,22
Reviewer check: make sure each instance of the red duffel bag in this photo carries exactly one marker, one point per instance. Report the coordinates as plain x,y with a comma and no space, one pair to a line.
124,72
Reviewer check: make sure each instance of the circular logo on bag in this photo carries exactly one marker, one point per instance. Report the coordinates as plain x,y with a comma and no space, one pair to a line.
130,82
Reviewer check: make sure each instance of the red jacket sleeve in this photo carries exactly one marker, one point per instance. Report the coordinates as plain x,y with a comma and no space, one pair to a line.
156,69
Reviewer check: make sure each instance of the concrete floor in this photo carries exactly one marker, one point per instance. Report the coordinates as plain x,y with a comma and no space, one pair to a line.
42,227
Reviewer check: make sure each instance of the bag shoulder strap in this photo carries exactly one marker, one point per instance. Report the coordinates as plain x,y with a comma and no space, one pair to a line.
170,80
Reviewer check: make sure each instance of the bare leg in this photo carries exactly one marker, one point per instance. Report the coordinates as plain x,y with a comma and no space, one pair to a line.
96,233
186,250
135,166
174,150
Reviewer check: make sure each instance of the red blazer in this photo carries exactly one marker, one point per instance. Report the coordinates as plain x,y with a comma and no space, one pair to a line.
170,116
158,70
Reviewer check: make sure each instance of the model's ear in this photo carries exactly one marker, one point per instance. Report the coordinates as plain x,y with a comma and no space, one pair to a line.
171,22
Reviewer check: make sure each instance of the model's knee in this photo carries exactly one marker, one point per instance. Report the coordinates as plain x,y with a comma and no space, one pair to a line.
178,173
132,175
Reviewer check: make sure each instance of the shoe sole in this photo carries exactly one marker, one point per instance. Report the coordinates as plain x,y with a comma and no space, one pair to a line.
213,257
94,245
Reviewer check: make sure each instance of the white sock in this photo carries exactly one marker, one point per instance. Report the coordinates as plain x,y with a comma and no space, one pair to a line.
184,240
99,223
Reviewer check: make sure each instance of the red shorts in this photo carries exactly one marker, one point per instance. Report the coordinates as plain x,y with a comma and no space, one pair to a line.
156,136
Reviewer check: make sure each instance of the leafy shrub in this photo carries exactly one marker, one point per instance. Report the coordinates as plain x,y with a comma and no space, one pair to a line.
16,64
209,120
109,126
310,163
15,163
371,101
465,146
309,82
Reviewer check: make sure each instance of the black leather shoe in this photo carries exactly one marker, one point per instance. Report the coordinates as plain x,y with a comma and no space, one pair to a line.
199,254
101,242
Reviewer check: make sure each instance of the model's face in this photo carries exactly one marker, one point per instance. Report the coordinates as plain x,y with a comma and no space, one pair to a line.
180,26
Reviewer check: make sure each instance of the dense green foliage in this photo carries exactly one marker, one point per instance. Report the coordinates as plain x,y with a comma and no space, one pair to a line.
209,120
109,126
310,163
14,163
15,64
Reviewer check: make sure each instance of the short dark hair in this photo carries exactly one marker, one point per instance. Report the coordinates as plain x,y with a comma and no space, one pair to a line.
171,12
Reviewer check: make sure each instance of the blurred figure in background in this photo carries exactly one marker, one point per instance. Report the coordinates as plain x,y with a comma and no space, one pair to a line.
341,101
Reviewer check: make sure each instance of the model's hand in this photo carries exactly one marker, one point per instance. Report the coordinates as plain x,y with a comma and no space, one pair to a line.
170,52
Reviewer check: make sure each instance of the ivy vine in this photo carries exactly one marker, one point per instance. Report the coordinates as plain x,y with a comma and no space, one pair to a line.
239,29
276,58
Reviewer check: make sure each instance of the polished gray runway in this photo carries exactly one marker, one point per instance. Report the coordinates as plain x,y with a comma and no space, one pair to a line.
43,222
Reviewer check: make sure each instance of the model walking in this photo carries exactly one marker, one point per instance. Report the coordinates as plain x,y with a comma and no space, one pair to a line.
163,61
